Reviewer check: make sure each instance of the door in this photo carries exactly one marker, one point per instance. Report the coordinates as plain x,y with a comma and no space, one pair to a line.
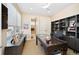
77,44
33,28
72,42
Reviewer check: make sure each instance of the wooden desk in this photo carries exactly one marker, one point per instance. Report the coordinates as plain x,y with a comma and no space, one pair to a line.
56,44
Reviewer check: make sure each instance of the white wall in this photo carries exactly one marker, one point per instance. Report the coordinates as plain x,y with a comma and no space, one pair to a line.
71,10
18,18
14,17
43,24
11,15
26,21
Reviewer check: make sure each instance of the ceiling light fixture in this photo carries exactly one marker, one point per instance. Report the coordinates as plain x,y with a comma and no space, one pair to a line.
48,11
46,6
31,8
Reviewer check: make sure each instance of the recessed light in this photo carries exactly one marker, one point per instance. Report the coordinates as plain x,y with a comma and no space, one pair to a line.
48,11
31,8
46,6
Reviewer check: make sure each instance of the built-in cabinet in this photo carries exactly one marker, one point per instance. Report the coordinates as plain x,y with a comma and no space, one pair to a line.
69,27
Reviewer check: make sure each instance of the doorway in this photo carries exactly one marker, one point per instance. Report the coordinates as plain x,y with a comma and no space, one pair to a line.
33,28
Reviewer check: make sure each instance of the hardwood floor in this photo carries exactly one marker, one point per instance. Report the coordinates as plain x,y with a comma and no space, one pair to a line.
31,48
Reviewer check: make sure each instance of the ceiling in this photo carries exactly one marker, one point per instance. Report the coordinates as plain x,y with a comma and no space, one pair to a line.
42,8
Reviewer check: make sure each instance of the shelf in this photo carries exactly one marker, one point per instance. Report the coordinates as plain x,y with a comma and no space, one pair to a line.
78,29
77,32
77,35
77,18
72,31
71,36
62,26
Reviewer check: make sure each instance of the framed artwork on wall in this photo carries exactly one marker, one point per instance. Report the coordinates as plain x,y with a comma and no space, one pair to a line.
26,26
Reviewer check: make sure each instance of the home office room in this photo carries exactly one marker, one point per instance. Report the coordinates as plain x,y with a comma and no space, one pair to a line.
39,29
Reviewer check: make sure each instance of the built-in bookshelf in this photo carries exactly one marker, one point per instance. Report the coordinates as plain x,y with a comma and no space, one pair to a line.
69,26
56,25
78,26
78,18
71,29
62,24
52,26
